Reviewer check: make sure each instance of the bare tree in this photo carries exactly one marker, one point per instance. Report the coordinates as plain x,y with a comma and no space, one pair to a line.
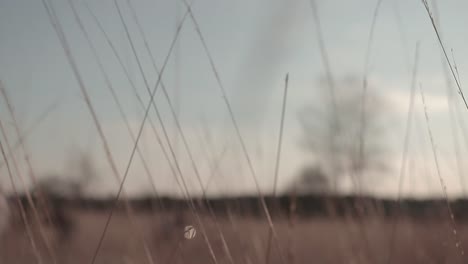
346,135
80,173
311,179
53,190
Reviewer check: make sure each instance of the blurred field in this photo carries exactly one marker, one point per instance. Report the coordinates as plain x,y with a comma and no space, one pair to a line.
301,239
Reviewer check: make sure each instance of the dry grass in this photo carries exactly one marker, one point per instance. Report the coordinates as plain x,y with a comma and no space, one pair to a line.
112,237
323,240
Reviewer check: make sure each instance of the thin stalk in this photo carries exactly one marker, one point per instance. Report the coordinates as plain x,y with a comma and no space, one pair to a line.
278,159
64,43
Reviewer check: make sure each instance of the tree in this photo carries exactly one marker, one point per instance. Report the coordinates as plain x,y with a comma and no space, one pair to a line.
52,191
311,179
81,172
346,134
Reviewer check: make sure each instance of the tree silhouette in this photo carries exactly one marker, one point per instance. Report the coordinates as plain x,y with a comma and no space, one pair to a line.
53,190
311,179
346,135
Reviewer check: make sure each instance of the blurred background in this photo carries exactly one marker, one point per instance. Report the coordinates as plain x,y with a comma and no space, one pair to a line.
353,111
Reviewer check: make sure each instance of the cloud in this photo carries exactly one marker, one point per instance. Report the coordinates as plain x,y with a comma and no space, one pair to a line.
400,99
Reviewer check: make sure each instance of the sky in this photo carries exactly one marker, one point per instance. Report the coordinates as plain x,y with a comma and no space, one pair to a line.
253,45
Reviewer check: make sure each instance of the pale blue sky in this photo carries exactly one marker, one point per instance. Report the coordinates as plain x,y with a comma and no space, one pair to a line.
254,44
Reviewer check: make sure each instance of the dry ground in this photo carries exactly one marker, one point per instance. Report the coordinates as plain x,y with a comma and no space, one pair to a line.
313,240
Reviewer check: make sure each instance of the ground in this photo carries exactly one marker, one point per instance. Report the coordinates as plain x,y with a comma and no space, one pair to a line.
300,240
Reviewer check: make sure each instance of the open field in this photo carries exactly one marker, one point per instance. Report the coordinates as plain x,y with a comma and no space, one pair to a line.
299,116
301,239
